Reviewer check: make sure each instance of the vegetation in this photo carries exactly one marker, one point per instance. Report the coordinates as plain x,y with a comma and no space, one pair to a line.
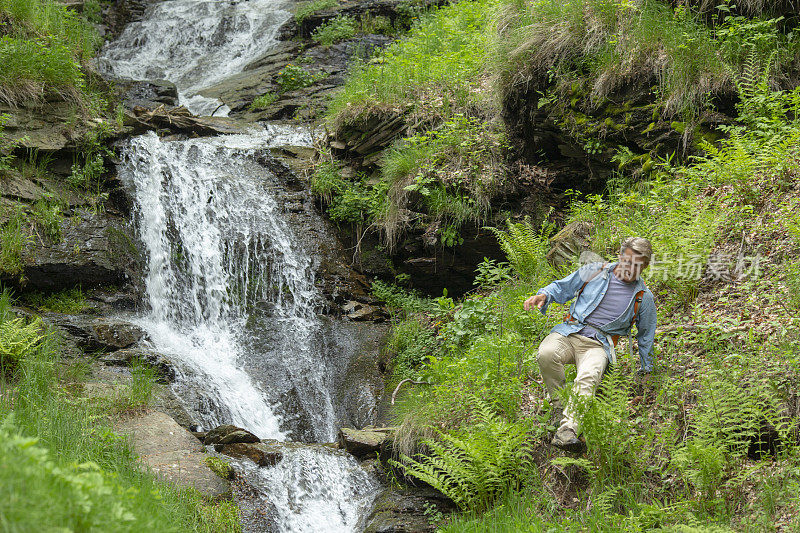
306,9
264,101
66,301
43,47
335,30
700,443
61,464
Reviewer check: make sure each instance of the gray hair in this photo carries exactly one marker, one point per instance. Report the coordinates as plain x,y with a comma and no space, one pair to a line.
639,245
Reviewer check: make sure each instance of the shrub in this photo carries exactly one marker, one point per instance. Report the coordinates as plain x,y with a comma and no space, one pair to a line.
293,77
264,101
335,30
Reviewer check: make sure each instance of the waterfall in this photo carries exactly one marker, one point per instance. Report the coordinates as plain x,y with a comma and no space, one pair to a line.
234,305
194,44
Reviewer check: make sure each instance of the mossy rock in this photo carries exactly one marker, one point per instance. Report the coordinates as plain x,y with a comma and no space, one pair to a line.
220,467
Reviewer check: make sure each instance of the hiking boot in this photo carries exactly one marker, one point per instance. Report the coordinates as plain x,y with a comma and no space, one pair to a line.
566,439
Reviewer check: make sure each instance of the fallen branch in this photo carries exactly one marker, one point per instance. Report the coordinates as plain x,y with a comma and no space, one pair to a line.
407,380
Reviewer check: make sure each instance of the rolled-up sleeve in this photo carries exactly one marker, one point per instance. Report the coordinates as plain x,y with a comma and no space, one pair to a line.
646,333
563,290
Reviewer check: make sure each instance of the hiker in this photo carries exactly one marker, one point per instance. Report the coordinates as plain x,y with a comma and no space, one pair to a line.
609,299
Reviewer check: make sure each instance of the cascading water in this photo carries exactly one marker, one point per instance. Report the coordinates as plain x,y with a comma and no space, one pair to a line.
194,44
233,303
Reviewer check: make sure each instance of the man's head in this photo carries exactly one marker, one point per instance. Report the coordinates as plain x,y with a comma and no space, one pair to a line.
634,256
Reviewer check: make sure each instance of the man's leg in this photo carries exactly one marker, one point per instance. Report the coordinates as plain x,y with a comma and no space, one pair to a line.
591,361
554,352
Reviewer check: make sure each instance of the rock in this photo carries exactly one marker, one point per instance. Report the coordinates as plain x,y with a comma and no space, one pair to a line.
93,334
95,249
362,442
229,434
172,453
180,120
407,511
361,311
260,453
127,356
567,244
148,94
357,9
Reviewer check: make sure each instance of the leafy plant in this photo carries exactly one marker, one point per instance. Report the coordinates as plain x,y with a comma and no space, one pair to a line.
264,101
475,467
293,77
491,273
337,29
66,301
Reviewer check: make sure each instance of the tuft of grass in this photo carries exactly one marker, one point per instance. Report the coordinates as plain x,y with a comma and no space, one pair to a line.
137,394
14,237
264,101
307,9
444,53
335,30
67,301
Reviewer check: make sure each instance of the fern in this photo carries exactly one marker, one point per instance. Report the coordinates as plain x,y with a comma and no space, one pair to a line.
474,467
525,246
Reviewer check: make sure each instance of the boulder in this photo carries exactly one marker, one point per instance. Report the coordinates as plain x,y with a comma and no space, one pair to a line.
407,511
568,244
172,453
95,249
148,94
361,311
229,434
97,334
127,356
363,442
260,453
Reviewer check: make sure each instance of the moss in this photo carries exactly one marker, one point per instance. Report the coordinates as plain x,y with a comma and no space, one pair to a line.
680,127
220,467
650,127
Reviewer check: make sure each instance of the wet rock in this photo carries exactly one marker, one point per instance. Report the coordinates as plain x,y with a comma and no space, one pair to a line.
180,120
229,434
148,94
95,249
361,311
129,356
407,511
172,453
356,9
93,334
363,442
260,453
568,244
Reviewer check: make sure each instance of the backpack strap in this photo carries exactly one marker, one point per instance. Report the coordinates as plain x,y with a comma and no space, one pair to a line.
568,316
638,300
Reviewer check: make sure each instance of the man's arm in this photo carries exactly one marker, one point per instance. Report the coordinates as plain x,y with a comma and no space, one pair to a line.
646,326
563,290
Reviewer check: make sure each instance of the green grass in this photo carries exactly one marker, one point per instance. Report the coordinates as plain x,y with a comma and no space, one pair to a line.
43,48
443,53
62,466
66,301
14,237
600,45
264,101
306,9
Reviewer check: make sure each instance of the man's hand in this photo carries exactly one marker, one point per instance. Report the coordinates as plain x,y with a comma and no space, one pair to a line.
536,301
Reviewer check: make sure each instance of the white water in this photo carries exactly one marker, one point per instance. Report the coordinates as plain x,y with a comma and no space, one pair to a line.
194,44
229,289
304,498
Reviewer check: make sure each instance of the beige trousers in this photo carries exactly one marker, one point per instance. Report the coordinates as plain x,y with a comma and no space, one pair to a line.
589,358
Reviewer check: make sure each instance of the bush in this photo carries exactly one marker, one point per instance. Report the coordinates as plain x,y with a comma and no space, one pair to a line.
294,77
338,29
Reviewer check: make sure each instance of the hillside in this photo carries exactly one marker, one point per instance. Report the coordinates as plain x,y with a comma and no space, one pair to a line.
676,122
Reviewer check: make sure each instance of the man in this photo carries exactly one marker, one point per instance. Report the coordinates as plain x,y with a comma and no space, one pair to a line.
609,299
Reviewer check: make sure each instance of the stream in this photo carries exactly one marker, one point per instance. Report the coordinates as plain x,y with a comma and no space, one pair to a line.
230,284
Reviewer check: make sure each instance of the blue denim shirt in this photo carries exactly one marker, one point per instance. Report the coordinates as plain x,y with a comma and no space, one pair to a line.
564,290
